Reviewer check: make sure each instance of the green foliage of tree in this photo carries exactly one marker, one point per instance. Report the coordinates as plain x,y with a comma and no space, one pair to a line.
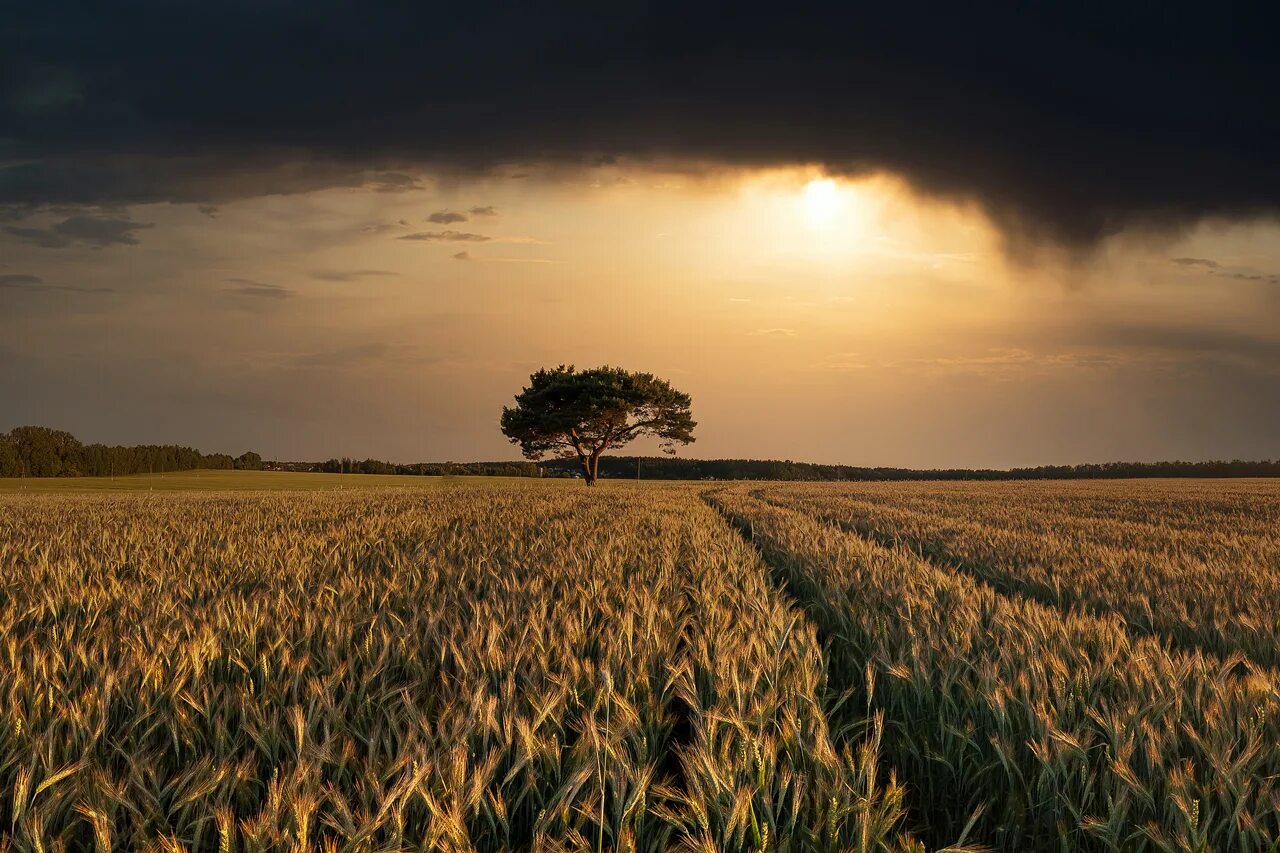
666,468
44,452
8,457
249,461
34,451
567,412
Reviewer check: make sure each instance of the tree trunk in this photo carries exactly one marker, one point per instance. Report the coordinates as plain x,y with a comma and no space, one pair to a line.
595,467
588,471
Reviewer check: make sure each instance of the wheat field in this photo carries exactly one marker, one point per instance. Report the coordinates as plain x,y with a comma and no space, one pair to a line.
524,665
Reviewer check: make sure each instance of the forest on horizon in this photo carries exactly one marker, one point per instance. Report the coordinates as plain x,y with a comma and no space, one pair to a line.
34,451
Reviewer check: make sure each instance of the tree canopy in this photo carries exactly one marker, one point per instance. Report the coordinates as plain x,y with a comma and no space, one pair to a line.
35,451
569,412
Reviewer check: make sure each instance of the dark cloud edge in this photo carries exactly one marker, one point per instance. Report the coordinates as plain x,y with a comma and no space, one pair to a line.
1065,123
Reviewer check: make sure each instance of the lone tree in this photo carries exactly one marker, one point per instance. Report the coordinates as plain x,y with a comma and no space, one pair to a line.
567,412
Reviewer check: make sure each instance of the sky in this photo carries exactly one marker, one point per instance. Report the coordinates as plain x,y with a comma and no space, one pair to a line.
1004,237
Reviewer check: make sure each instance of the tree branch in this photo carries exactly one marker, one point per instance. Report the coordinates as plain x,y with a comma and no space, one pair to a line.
630,431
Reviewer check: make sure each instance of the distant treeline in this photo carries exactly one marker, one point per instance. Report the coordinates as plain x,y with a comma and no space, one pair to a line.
422,469
32,451
671,468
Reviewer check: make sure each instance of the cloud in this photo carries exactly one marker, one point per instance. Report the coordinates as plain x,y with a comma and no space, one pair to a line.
1269,278
45,238
846,362
362,354
383,227
209,210
349,275
486,210
1117,118
1179,348
993,362
467,256
519,239
446,236
258,289
1012,363
101,231
82,229
108,179
1215,268
22,281
446,217
46,90
394,182
1186,341
773,333
18,280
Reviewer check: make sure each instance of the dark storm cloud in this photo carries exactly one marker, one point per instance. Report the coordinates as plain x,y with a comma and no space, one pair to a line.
446,217
66,177
81,230
1064,121
446,236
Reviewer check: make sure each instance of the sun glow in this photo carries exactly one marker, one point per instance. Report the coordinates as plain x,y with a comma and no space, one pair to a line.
777,222
822,201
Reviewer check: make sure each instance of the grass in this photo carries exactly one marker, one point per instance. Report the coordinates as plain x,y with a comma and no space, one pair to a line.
516,664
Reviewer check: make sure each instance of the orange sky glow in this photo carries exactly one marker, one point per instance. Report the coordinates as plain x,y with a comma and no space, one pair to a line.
812,316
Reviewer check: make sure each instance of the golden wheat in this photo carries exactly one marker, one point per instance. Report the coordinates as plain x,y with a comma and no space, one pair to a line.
1064,726
532,666
482,668
1192,563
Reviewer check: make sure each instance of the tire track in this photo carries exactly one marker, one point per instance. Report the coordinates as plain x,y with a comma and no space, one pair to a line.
1009,586
848,677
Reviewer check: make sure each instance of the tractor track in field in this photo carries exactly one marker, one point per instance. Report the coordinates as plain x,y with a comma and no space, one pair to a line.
681,736
845,717
1008,587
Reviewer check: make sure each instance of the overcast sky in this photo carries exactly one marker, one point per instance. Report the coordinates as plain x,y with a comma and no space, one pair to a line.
940,240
